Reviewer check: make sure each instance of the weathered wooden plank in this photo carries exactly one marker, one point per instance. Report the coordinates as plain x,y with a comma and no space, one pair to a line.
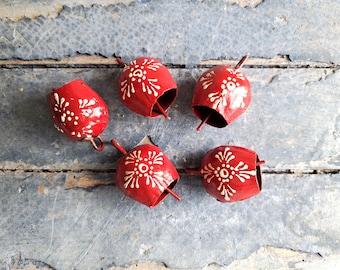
292,122
179,32
79,229
16,9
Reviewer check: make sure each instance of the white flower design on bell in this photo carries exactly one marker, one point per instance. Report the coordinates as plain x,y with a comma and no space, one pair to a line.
66,115
207,80
230,90
144,169
139,75
61,106
225,172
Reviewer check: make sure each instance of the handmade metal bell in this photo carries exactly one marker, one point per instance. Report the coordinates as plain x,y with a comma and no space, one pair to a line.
221,95
145,173
231,173
146,87
79,112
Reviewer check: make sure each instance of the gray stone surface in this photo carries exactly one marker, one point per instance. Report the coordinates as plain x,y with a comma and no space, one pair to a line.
292,122
79,229
179,32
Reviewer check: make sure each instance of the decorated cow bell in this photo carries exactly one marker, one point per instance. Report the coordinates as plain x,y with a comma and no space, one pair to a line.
145,173
79,112
221,94
146,87
231,173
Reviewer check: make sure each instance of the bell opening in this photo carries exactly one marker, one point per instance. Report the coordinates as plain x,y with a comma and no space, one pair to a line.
210,116
258,174
164,101
165,193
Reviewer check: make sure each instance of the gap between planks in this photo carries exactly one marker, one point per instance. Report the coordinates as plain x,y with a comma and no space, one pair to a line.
86,179
181,171
98,61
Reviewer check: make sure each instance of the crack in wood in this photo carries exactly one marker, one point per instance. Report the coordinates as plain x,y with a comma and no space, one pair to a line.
85,181
181,171
328,73
99,61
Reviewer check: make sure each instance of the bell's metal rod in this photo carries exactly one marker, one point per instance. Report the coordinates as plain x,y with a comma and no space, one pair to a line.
192,171
241,62
177,197
260,162
160,108
118,146
119,61
204,120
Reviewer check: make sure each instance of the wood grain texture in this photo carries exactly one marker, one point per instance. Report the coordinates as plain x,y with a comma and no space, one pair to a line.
16,9
179,32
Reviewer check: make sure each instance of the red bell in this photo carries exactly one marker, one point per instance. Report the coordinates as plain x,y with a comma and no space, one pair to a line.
146,87
79,112
145,173
221,95
231,173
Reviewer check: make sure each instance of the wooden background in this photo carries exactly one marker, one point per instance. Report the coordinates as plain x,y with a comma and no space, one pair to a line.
59,207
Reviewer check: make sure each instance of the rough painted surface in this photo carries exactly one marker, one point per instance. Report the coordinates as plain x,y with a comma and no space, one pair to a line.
102,228
179,32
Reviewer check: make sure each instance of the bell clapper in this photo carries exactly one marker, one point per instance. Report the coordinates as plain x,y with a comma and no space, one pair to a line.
204,120
177,197
160,108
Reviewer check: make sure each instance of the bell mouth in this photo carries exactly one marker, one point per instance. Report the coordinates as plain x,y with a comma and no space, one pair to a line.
164,193
259,172
210,116
164,101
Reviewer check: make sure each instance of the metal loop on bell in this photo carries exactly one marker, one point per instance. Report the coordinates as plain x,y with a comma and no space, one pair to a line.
98,147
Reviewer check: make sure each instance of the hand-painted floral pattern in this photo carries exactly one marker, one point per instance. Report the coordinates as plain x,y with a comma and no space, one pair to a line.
207,79
225,172
138,78
85,103
230,90
69,117
144,168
